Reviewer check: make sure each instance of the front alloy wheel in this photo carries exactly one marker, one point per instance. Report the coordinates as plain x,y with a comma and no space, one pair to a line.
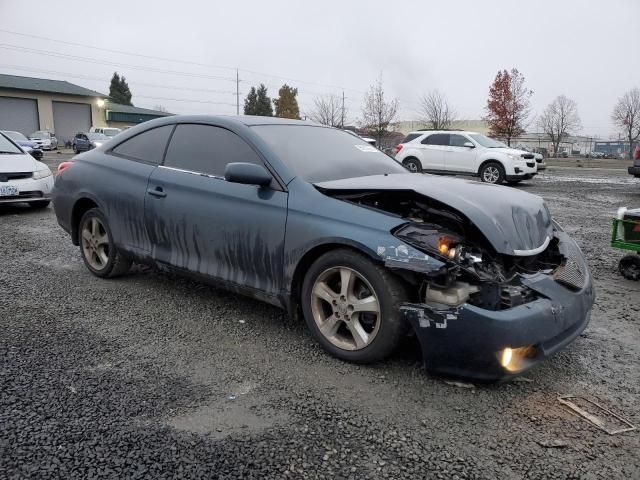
352,306
492,173
345,308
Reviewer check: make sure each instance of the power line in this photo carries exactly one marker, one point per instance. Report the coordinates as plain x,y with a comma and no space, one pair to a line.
100,79
105,62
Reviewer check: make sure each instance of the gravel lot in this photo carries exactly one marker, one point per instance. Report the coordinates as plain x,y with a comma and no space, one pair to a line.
154,376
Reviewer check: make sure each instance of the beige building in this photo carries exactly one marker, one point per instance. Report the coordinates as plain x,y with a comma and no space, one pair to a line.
29,104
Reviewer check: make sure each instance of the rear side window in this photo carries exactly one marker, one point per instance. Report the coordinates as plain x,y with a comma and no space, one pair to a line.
147,146
457,140
207,149
411,136
437,139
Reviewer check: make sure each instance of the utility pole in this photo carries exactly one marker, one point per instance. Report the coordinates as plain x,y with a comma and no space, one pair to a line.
237,93
342,117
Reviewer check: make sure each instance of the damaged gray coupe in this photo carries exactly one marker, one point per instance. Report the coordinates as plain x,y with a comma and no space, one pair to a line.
319,222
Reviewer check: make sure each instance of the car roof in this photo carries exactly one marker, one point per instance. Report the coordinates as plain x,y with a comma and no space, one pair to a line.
424,132
247,120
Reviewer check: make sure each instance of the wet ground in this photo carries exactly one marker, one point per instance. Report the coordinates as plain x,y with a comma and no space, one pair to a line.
153,376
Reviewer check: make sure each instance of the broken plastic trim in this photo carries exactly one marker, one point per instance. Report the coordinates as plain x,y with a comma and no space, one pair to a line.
533,251
436,317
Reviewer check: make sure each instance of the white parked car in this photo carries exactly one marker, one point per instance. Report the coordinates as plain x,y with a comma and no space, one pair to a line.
542,165
45,140
465,153
106,131
22,177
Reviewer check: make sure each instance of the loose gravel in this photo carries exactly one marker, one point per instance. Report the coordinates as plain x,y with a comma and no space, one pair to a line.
153,376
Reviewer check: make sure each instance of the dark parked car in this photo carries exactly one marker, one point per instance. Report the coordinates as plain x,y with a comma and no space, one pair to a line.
635,168
316,221
86,141
29,146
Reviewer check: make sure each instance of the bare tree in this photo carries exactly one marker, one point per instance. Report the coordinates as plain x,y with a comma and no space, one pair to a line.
560,119
328,110
377,112
436,111
626,116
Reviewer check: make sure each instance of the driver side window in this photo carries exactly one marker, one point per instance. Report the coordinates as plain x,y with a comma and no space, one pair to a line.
457,140
207,149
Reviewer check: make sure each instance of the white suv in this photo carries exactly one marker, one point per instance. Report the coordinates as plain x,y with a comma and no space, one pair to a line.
465,153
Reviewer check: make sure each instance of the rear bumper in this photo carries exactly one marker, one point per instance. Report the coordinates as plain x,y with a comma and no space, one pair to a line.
635,171
467,341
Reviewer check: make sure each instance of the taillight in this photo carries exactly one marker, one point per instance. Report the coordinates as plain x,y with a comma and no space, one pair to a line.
398,148
62,167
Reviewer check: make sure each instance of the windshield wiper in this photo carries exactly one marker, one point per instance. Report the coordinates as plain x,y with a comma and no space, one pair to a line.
12,153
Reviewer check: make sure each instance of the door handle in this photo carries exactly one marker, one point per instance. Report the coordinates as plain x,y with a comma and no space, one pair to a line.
156,192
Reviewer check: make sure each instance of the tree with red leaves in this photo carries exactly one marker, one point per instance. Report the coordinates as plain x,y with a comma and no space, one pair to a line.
508,106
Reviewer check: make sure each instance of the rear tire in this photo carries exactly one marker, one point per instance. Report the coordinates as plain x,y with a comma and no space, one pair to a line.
40,204
99,254
492,172
361,322
629,267
413,164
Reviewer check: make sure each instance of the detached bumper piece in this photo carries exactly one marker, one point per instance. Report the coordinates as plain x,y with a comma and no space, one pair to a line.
472,342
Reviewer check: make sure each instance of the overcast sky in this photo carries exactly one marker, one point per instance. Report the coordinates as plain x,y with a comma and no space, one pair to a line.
588,50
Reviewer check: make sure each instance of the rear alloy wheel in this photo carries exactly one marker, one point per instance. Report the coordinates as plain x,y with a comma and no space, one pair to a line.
413,164
492,172
101,257
351,306
630,267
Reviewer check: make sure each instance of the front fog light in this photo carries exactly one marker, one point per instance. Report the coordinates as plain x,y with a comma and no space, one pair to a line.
517,359
505,357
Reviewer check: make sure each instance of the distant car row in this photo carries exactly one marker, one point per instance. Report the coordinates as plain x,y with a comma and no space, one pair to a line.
467,153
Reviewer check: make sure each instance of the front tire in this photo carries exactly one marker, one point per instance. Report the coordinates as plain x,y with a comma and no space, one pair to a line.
492,172
100,255
351,306
412,164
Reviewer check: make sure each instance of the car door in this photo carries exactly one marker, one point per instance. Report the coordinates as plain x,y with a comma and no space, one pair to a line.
457,156
432,148
123,185
199,222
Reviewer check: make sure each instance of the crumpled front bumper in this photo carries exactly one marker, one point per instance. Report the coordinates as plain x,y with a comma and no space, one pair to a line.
467,341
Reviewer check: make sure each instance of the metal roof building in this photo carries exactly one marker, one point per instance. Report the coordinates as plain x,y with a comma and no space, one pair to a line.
29,104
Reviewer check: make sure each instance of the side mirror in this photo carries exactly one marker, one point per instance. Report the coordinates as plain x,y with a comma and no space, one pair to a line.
469,145
247,173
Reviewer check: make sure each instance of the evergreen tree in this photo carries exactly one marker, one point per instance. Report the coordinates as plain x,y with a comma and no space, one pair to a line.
264,102
258,102
287,104
119,90
251,103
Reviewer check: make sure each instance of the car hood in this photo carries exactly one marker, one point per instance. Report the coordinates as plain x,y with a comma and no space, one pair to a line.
13,163
510,151
513,221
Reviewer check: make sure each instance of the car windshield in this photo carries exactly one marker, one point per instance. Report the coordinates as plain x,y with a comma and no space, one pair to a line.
320,154
486,141
15,135
97,136
7,146
40,135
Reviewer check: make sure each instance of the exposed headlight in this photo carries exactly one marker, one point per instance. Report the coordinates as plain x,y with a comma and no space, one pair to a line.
97,144
513,157
44,173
